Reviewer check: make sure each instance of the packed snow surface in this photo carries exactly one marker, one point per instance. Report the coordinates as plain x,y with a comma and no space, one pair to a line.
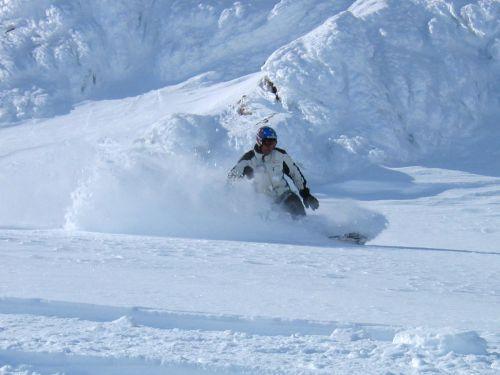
123,249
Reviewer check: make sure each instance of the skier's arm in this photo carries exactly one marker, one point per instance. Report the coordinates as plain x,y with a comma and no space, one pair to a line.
293,171
243,168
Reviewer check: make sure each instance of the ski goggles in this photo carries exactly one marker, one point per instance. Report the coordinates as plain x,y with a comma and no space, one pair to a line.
269,142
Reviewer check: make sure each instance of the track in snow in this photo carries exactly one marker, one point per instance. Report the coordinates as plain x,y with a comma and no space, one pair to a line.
54,344
162,319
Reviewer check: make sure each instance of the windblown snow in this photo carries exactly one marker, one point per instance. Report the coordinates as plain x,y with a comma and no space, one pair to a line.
124,249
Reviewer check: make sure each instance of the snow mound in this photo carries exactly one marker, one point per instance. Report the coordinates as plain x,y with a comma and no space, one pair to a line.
457,342
394,81
54,54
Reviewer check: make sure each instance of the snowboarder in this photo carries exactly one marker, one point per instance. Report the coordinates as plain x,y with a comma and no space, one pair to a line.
267,165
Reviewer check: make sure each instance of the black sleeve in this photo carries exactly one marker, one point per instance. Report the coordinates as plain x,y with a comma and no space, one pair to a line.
242,168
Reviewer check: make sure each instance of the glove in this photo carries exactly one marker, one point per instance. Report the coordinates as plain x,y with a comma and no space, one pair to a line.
308,199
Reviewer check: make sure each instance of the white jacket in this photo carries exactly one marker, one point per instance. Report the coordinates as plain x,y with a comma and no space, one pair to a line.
268,172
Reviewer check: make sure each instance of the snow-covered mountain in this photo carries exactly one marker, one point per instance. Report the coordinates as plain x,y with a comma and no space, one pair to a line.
124,117
391,81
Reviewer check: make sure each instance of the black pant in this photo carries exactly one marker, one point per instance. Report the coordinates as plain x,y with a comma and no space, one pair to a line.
293,205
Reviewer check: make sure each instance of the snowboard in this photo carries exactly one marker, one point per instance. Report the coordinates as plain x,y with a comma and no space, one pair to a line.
352,237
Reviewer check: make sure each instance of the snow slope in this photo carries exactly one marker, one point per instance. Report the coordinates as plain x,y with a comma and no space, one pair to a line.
235,307
280,298
123,250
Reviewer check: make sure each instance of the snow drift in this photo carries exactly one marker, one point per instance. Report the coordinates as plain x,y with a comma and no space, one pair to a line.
56,53
444,342
395,81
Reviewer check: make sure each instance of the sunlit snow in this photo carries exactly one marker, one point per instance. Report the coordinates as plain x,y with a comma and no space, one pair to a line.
124,249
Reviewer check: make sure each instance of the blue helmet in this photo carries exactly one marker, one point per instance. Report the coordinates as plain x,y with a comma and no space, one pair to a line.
265,132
